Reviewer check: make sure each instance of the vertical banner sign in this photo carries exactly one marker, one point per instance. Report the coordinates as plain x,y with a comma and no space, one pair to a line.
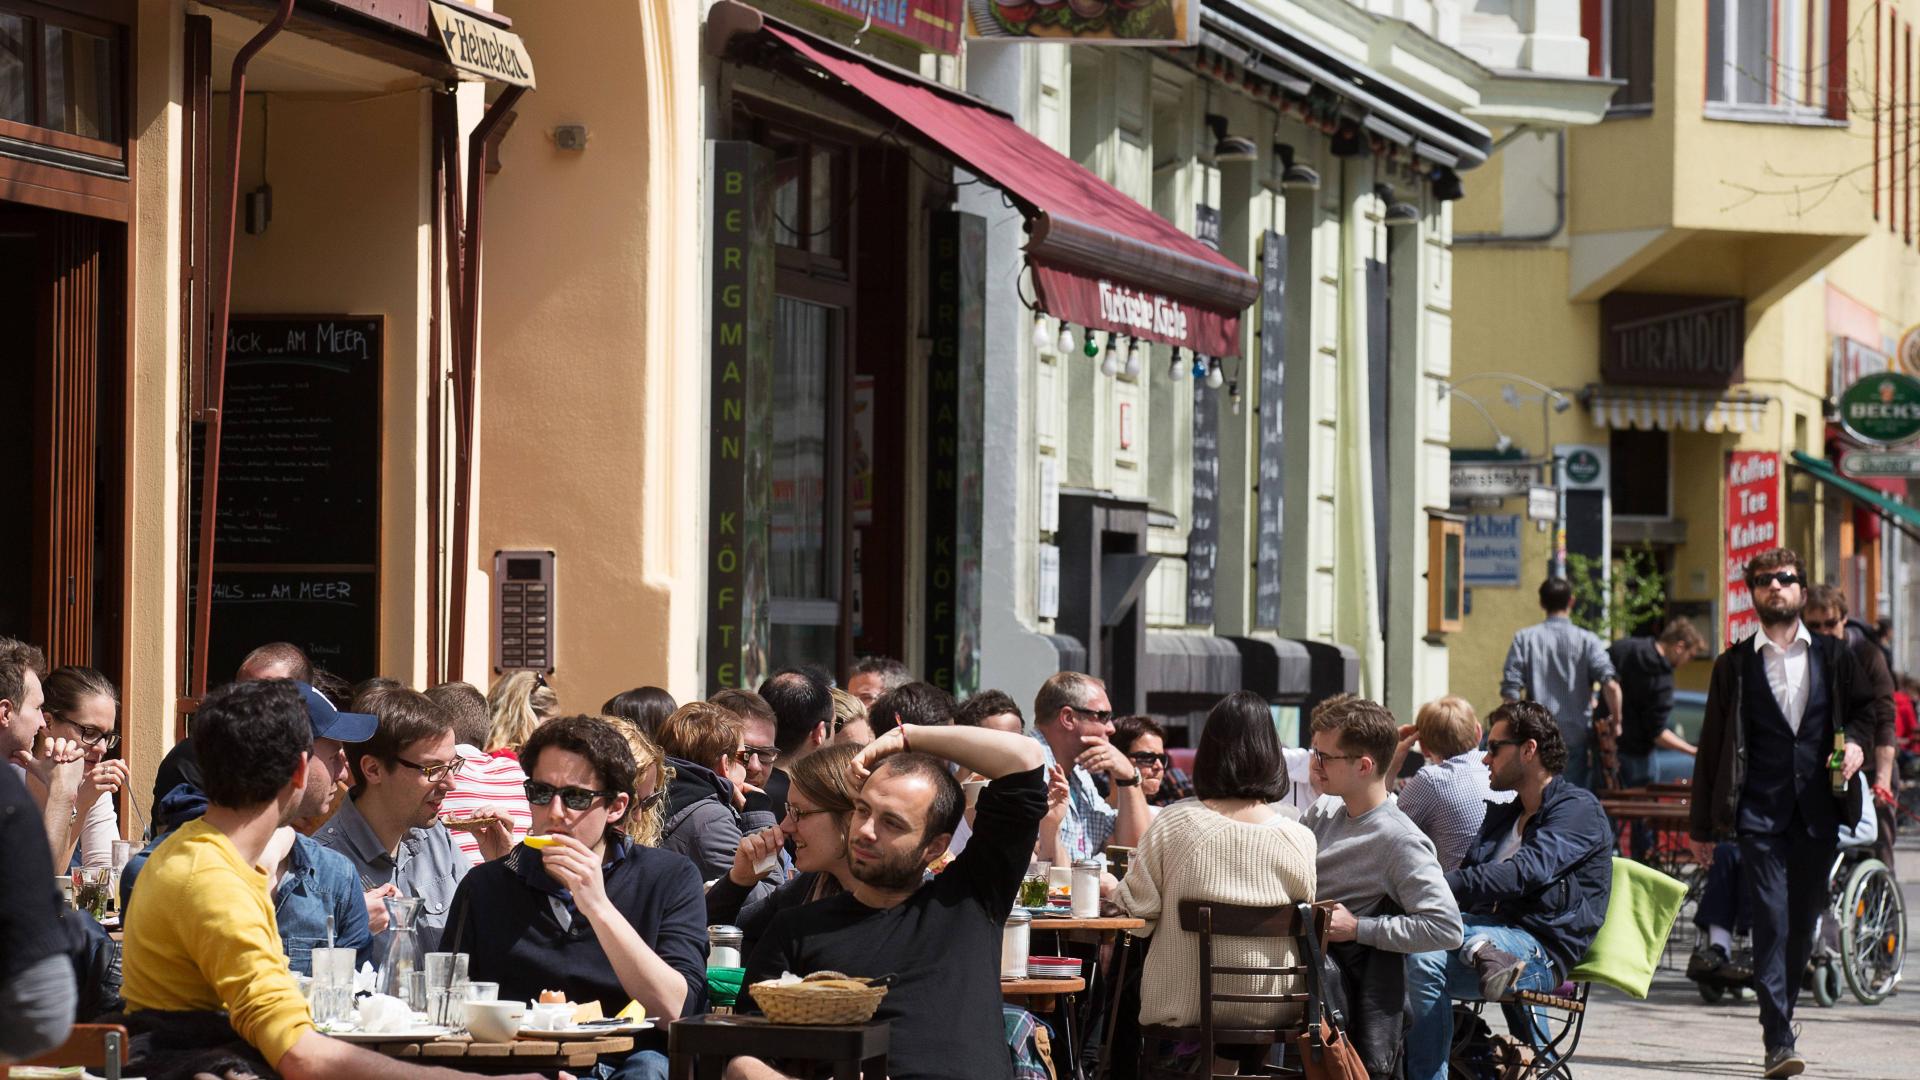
956,393
1753,526
1269,542
1203,533
1379,417
740,412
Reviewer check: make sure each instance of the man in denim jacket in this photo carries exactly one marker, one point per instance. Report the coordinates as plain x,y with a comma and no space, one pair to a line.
1533,890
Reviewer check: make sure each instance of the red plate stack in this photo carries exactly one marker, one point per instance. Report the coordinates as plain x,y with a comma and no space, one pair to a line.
1052,967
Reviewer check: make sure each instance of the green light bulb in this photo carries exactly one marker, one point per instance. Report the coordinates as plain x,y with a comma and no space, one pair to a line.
1090,348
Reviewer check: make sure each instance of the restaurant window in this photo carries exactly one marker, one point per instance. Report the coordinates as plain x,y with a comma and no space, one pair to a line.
1777,58
62,83
1619,37
1641,481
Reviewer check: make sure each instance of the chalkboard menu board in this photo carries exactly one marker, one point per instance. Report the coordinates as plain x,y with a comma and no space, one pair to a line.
1379,438
1269,543
1203,536
297,536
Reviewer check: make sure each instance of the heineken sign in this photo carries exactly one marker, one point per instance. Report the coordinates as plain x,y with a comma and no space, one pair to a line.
1883,408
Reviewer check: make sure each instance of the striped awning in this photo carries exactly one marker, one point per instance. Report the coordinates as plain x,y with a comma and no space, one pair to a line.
1676,410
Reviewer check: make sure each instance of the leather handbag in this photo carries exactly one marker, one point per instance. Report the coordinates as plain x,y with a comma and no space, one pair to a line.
1325,1051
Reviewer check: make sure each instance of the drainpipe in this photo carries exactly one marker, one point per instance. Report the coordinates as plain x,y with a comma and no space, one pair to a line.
466,368
1559,199
217,362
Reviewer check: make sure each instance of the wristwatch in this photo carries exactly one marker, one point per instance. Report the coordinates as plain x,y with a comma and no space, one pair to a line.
1131,781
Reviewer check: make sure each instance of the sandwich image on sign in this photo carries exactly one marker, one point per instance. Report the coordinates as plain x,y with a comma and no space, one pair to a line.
1087,22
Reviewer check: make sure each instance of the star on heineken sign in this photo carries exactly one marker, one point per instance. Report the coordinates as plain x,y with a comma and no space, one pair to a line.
1883,408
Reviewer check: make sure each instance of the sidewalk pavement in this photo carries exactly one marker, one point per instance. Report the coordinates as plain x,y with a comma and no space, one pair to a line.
1674,1033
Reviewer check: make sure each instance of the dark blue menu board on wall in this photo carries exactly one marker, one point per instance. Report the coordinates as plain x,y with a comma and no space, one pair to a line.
1203,533
1269,544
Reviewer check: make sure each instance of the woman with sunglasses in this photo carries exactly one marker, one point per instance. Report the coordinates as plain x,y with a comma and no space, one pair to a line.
818,804
82,708
1144,742
591,914
647,823
710,804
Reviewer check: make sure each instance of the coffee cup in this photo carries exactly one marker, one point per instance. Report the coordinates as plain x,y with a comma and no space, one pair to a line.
495,1021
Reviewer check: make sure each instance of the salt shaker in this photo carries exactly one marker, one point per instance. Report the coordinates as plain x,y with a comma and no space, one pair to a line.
1014,942
1085,895
723,946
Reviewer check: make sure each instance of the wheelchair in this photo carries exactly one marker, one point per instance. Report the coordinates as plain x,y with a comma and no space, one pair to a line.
1859,942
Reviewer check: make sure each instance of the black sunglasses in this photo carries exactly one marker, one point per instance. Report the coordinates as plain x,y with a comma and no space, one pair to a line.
1146,760
575,798
1494,745
1104,716
1823,625
1783,577
647,803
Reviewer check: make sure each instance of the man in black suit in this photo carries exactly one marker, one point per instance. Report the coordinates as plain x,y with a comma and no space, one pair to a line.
1776,706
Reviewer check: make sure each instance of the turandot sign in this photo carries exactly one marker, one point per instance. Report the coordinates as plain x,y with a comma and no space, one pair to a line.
1882,408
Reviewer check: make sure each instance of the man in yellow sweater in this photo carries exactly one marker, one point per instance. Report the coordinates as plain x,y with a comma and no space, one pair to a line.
202,940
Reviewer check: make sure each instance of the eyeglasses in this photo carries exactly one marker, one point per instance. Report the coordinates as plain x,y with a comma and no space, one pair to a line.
1494,745
767,754
1148,761
1823,625
1321,756
575,798
1104,716
646,804
800,815
435,773
105,740
1783,577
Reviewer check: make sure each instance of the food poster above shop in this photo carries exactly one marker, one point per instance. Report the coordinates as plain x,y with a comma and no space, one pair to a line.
1086,22
929,24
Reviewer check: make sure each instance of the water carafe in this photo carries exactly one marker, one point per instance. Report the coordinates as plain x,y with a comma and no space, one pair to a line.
403,951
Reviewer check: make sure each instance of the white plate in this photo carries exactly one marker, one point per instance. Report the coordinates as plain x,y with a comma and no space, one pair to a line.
592,1031
418,1034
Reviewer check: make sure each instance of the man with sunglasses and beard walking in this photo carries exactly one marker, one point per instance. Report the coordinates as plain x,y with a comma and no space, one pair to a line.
1789,714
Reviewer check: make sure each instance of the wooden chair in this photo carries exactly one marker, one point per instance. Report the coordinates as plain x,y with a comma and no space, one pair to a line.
1208,918
93,1046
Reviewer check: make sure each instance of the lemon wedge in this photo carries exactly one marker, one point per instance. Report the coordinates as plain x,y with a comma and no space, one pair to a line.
634,1011
537,842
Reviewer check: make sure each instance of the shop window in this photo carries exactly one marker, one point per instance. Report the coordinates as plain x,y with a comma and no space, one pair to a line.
1780,58
811,204
803,510
62,82
1619,37
1642,478
1446,573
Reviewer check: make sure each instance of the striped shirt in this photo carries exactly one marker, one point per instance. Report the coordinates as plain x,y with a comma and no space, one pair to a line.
1090,820
1448,801
487,780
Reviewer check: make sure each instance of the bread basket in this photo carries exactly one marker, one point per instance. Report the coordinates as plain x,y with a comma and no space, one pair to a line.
824,997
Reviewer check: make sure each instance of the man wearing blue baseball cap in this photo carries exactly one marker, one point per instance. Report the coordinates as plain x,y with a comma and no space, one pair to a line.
310,884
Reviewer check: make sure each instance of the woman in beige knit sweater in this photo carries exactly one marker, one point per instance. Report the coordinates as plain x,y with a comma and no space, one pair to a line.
1227,844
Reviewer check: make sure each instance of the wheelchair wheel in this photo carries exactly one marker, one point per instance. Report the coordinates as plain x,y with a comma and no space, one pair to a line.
1826,984
1873,932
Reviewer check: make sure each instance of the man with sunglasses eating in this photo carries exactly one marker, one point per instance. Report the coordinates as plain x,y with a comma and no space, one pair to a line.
578,907
1765,776
390,827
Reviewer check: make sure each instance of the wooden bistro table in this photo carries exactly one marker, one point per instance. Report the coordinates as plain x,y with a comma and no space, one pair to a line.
1097,932
520,1055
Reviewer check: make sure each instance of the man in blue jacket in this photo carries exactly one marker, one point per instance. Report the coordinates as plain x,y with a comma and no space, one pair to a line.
1532,890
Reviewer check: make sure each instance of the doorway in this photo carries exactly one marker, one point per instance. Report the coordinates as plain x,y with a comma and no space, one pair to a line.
62,289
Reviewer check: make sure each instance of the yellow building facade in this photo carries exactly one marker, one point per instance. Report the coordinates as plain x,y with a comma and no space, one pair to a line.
1695,277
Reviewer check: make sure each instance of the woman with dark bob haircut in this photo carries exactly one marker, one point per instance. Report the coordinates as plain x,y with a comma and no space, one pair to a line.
578,906
1230,844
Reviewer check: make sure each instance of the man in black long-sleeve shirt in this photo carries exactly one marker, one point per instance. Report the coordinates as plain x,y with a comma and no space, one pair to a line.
940,939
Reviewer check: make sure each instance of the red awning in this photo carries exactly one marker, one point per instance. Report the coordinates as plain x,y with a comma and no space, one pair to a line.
1099,258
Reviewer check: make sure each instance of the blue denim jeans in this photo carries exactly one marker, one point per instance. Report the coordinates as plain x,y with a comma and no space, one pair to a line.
1436,979
639,1065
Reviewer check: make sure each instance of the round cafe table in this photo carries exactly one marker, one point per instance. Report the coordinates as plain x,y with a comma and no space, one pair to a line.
520,1055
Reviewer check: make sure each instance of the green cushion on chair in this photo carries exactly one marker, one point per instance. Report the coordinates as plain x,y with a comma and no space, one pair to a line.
1640,914
723,984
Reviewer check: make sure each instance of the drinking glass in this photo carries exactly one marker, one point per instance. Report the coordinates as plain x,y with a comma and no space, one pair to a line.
122,854
92,890
442,972
474,991
332,993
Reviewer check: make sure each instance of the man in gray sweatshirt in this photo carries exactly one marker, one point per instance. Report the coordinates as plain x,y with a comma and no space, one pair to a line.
1380,869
